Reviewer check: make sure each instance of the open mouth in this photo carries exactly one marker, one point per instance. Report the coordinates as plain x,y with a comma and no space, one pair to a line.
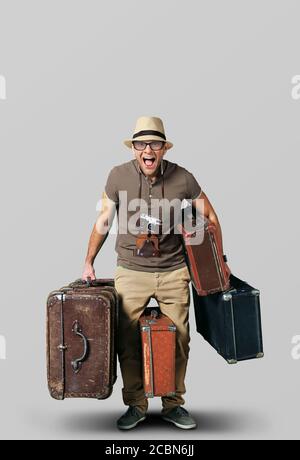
149,161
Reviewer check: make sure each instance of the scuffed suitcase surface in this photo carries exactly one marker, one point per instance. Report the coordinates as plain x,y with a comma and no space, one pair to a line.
158,335
204,259
231,321
81,335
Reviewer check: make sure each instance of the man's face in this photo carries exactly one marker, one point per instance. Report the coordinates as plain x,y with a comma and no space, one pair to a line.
148,159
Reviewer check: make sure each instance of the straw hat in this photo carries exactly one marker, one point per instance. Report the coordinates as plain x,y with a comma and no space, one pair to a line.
148,129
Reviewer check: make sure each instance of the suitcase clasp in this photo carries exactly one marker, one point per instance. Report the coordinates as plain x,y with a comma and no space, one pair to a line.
62,348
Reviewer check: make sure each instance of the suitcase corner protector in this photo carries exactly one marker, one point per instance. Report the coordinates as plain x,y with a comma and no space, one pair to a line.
149,395
56,395
260,355
232,361
227,297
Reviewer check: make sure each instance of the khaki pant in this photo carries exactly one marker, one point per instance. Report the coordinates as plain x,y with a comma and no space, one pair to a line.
171,290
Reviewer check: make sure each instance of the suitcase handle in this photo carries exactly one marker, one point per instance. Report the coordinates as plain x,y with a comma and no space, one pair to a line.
92,283
76,364
154,315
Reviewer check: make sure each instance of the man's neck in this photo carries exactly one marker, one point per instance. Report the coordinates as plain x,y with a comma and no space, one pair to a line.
154,177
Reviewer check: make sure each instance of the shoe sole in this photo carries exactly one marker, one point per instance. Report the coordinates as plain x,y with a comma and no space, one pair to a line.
183,427
129,427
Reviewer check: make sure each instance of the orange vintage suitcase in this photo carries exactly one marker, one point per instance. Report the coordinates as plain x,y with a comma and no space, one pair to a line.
204,257
158,334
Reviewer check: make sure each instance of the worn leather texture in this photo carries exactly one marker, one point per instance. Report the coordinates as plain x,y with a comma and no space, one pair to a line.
81,340
158,336
205,261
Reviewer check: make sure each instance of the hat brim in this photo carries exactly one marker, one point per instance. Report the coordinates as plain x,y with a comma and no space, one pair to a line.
128,142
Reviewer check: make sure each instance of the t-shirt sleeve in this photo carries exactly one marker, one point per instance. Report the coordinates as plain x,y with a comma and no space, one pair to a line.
193,188
111,187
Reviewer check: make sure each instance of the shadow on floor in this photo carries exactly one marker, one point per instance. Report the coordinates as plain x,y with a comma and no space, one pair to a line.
221,421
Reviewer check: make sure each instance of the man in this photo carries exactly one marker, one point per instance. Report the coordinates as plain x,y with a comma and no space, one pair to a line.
155,271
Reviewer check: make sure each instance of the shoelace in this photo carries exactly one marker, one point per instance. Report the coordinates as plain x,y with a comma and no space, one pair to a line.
133,411
181,412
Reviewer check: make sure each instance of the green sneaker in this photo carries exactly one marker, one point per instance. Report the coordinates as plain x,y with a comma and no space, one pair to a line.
130,419
180,417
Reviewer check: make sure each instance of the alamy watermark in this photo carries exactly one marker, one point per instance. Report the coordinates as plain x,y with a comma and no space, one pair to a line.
296,347
2,88
161,216
2,347
296,87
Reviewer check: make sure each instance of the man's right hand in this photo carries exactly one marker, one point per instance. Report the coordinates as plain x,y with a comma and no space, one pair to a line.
88,272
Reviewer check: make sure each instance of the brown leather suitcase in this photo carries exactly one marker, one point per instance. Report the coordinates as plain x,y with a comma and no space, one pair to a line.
81,340
158,335
205,259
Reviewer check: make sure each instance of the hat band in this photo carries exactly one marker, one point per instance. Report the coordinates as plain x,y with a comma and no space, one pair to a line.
147,132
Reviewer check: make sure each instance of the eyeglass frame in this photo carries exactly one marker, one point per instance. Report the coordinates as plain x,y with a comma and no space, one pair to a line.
149,143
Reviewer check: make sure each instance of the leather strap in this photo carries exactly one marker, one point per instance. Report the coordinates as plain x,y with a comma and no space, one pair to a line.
162,192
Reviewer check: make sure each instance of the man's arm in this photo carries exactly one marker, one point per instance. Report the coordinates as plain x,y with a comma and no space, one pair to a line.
203,206
99,235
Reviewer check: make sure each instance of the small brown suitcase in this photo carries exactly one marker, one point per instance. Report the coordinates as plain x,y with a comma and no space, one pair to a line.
158,335
81,340
205,259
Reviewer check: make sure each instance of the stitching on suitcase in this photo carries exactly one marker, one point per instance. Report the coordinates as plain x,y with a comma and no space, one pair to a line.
83,395
151,362
106,376
258,322
106,349
63,357
109,378
216,258
233,326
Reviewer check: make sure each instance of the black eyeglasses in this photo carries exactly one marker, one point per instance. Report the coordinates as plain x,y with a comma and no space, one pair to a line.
154,145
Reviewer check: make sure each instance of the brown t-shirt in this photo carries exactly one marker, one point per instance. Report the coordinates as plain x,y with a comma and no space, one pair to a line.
175,183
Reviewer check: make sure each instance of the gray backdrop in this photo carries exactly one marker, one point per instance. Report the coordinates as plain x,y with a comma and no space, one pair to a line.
78,74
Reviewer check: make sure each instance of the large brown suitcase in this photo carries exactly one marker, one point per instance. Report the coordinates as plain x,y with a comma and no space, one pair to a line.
205,259
81,340
158,335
